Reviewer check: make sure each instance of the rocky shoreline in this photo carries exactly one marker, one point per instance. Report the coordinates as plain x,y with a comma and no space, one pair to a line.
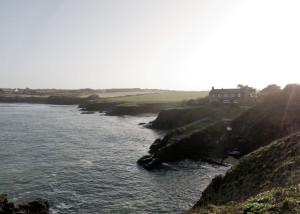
57,100
121,108
95,104
256,127
29,206
213,138
210,133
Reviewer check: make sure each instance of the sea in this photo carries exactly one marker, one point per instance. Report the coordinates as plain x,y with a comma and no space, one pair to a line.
86,163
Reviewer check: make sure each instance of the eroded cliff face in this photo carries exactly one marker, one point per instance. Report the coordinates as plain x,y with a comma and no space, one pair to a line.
130,109
254,128
175,118
264,124
207,144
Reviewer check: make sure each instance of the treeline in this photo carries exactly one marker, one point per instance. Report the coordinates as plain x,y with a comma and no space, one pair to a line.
274,94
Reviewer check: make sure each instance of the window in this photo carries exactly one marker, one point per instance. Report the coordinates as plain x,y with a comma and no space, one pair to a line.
236,101
226,101
225,95
232,95
239,94
219,95
213,95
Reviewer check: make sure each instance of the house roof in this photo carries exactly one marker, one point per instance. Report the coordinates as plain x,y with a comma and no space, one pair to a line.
228,91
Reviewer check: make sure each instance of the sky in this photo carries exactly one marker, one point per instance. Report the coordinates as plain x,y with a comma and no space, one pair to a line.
157,44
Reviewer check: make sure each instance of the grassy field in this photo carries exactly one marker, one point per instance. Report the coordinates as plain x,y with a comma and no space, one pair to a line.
23,95
133,96
125,97
161,97
123,93
42,93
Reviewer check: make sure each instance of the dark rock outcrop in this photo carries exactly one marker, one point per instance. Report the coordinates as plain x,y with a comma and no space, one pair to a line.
174,118
128,109
263,124
208,144
254,128
29,206
64,100
149,162
99,106
121,108
5,206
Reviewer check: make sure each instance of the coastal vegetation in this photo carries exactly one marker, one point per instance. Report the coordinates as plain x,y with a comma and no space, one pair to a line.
264,181
162,97
124,95
262,134
193,115
113,101
214,135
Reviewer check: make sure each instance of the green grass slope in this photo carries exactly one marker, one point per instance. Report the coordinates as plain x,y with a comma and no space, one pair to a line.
264,181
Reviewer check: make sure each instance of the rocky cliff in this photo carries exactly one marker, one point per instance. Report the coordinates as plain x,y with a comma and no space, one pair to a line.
254,128
206,144
122,108
264,181
29,206
135,109
174,118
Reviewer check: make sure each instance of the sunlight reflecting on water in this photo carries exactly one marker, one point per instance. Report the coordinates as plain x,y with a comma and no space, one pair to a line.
86,163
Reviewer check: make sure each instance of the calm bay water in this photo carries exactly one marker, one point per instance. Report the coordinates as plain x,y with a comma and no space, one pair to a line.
87,163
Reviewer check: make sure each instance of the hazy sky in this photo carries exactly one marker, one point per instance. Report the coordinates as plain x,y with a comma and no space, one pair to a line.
163,44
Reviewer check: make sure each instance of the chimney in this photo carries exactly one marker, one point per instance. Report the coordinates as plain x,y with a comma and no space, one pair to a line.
213,88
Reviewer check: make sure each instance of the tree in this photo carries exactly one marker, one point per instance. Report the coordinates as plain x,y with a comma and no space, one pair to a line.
292,92
292,88
271,93
273,88
251,89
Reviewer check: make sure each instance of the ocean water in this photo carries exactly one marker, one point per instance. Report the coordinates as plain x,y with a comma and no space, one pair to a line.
86,163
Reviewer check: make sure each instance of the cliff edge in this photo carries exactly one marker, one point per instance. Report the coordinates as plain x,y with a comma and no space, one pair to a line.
276,117
264,181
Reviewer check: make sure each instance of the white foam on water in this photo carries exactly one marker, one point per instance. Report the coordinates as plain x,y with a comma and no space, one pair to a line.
86,162
64,206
